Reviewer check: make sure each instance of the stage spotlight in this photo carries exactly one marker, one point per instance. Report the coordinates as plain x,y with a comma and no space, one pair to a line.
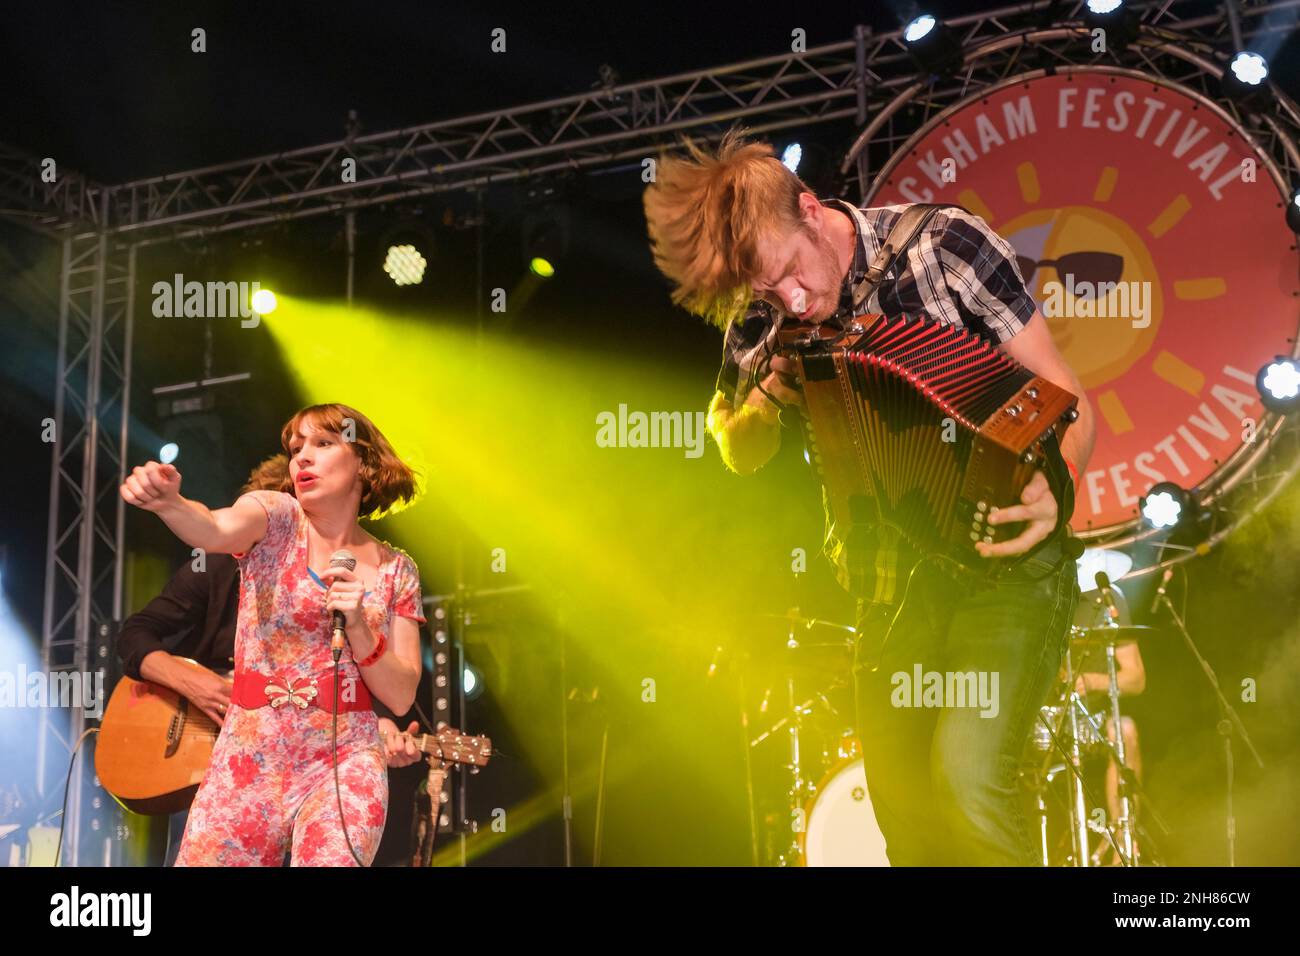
408,246
405,265
1248,68
919,28
169,452
1115,18
1293,212
932,46
1165,505
546,239
1279,385
1245,78
472,682
263,302
790,158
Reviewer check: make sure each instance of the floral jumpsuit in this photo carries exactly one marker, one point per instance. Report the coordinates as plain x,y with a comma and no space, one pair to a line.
270,786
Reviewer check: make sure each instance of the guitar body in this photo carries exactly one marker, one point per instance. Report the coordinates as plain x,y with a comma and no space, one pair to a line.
154,747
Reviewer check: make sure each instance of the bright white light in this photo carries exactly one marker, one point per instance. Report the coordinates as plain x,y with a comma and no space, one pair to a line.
1115,564
790,158
918,28
471,681
1163,510
168,452
1104,6
263,302
405,265
1249,68
1282,379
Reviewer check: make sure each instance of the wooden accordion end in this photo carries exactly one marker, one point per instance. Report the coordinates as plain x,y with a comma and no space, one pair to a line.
925,427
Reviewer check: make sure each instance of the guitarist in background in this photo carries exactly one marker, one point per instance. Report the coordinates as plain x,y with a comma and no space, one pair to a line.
195,614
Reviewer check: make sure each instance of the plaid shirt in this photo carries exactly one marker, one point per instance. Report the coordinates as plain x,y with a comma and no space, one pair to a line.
957,271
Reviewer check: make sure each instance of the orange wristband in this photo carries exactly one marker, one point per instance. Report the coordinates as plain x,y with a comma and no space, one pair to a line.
1074,472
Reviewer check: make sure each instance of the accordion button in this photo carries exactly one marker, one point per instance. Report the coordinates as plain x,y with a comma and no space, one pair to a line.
977,525
988,537
1032,393
982,505
975,536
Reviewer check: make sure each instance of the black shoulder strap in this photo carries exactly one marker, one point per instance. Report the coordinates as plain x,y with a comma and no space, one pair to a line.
904,232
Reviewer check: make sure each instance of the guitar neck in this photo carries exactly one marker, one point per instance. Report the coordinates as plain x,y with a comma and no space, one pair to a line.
452,747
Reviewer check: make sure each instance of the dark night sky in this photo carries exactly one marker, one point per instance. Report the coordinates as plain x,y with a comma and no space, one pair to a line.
113,89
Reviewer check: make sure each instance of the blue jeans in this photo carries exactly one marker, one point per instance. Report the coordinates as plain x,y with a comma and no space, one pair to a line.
942,768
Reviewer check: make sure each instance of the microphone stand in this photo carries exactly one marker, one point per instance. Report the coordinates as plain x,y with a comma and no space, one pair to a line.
1228,723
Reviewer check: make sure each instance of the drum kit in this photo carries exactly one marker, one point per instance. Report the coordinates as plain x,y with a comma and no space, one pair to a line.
817,810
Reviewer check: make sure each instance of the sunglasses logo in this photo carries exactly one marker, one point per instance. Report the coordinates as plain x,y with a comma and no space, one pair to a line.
1092,288
1088,268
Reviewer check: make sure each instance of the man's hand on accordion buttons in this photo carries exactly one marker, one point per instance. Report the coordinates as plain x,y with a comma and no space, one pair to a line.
1038,508
781,383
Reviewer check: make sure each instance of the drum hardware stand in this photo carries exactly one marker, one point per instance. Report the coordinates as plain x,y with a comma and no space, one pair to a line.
800,788
1229,722
1077,810
1080,715
1129,782
749,768
1125,823
600,783
1078,803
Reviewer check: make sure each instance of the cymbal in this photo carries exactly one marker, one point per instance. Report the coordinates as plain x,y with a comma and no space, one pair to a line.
1115,564
1094,637
807,623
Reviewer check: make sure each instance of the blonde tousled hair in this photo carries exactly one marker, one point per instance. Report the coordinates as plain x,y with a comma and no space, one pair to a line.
705,214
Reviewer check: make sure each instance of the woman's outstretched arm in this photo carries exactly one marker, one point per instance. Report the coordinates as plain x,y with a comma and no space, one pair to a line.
157,488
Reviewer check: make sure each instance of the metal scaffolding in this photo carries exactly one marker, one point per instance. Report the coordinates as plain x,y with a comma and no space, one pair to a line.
864,78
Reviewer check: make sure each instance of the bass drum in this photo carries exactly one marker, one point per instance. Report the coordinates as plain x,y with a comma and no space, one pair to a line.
841,827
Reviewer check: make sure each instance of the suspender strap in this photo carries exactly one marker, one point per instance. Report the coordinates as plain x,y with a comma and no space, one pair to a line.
906,228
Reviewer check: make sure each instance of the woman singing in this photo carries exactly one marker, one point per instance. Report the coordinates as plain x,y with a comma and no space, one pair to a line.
270,787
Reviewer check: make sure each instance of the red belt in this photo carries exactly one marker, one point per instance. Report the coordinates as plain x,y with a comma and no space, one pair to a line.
298,693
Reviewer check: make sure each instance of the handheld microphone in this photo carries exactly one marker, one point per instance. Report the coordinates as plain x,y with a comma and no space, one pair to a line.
342,558
1107,596
1160,591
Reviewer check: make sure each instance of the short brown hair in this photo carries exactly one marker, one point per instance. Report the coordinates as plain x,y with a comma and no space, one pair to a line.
705,214
386,480
270,475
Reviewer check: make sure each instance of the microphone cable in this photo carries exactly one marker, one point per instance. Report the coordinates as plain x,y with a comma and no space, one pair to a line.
338,790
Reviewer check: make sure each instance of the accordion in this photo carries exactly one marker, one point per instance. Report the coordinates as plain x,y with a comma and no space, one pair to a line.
925,427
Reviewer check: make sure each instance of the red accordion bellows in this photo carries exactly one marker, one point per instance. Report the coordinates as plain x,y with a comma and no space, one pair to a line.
925,427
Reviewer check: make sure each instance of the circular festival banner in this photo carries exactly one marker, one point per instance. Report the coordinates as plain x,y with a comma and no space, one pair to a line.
1152,238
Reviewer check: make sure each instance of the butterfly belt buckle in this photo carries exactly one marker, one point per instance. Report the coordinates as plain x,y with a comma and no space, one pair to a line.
283,692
